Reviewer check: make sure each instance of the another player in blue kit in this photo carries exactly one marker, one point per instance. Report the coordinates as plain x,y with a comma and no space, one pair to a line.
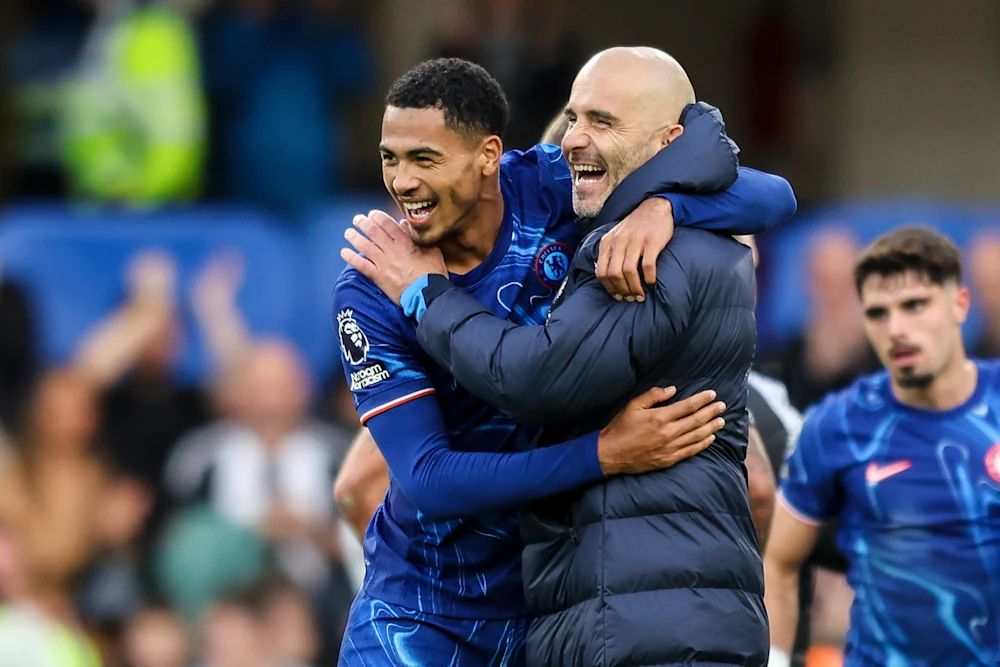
443,581
908,460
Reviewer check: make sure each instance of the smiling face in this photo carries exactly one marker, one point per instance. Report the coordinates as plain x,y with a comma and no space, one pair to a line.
623,108
435,174
914,325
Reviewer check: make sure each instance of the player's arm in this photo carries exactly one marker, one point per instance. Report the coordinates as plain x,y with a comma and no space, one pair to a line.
444,483
810,496
761,486
395,401
585,358
361,482
755,202
790,543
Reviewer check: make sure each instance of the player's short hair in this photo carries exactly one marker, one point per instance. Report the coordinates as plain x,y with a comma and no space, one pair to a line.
472,100
918,249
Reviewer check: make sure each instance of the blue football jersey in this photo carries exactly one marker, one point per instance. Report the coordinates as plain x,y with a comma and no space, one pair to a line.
918,498
467,567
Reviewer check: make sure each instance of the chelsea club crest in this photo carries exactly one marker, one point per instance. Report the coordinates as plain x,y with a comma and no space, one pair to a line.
353,341
552,263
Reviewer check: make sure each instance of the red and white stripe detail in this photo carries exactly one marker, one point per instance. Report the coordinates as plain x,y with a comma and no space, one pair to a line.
393,403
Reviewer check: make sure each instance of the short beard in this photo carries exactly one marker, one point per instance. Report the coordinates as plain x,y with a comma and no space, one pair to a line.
631,160
912,381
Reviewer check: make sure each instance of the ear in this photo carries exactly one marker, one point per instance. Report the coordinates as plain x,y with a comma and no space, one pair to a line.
490,151
962,303
670,134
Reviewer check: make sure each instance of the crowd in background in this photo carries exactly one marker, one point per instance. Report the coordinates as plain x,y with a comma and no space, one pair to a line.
158,524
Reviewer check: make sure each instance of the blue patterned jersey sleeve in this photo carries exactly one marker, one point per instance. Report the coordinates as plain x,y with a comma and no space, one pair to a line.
382,366
809,487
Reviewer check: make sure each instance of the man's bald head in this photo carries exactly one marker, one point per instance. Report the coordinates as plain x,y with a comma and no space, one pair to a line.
651,78
625,105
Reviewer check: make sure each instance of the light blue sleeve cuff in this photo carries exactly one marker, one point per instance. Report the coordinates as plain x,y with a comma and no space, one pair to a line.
412,299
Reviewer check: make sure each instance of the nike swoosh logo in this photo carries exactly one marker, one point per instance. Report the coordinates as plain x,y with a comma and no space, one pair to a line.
875,473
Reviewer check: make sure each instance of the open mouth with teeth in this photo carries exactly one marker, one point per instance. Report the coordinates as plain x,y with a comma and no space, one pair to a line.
587,175
418,212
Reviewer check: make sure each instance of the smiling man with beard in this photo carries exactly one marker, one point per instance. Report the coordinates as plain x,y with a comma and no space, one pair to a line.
908,460
443,582
630,569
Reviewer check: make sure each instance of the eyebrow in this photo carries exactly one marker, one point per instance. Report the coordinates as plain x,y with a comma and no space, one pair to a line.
413,152
593,114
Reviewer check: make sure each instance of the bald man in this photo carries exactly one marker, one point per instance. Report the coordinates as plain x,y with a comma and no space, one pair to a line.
632,569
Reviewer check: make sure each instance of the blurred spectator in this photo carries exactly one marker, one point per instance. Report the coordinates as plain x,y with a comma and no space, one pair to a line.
832,350
31,633
201,555
111,590
292,635
131,354
984,270
41,52
279,74
53,484
155,637
18,340
237,632
269,469
134,122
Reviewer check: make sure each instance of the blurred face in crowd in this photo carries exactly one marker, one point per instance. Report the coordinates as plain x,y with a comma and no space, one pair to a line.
290,628
830,264
273,387
156,638
64,413
436,174
984,273
233,638
623,108
914,325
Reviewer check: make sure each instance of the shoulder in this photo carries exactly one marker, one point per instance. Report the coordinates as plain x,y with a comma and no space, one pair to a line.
700,245
989,372
356,297
848,407
539,155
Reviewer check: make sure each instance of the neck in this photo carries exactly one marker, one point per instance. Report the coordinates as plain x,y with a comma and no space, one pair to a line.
477,235
950,389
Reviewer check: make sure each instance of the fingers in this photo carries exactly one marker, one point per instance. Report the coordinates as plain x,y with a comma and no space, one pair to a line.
630,272
374,229
604,253
651,249
652,396
362,264
388,224
699,430
688,406
362,243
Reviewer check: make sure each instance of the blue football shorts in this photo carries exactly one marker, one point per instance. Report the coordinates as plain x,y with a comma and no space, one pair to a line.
379,634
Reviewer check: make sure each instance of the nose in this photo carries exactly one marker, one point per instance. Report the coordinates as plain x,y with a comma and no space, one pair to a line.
576,138
404,180
896,325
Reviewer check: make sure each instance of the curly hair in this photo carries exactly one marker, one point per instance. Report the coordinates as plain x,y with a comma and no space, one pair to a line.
471,99
918,249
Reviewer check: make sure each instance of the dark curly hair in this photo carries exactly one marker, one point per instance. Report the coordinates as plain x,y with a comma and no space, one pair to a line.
918,249
471,99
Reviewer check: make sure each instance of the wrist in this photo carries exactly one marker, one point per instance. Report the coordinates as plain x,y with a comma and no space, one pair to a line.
605,448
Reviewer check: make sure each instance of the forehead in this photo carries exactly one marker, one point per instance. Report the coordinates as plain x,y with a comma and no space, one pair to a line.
897,287
405,129
606,88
